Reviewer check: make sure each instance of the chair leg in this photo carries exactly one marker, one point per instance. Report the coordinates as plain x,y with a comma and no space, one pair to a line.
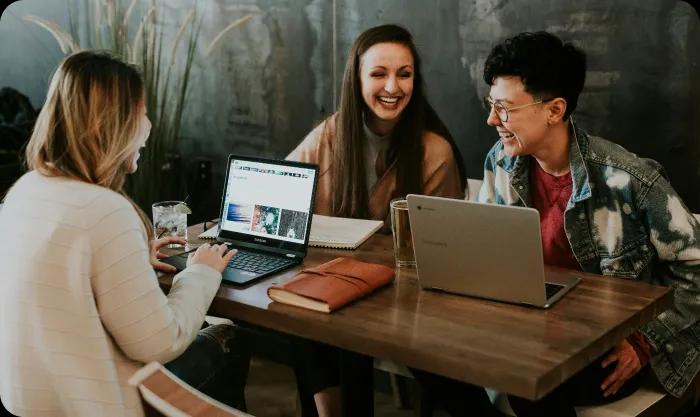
357,384
306,406
241,368
399,388
425,405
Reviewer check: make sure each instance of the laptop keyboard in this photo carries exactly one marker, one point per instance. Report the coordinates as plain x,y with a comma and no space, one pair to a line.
257,262
551,289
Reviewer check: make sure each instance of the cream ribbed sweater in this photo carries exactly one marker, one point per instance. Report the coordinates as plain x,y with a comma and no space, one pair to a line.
80,306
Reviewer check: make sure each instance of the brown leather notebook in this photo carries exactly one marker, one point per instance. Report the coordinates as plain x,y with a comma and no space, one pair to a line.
330,286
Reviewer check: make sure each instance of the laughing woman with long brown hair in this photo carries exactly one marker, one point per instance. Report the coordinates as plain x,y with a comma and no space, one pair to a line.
385,140
80,304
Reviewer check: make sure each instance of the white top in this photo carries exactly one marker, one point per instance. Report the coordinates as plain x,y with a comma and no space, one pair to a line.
80,305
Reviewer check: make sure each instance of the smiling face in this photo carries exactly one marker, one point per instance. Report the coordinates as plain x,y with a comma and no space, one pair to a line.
142,132
527,128
386,76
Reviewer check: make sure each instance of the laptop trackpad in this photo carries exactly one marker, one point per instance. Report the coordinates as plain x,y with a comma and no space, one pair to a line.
238,276
179,261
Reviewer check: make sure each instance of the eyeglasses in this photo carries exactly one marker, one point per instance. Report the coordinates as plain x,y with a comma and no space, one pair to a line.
502,111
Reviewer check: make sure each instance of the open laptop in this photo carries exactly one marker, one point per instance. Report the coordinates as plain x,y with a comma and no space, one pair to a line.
266,212
483,250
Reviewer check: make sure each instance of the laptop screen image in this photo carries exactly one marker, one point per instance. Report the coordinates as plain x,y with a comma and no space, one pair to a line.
268,203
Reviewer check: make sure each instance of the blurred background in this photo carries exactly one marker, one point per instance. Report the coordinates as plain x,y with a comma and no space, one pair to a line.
262,73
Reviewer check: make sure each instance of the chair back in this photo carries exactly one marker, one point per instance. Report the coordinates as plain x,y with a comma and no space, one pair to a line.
165,395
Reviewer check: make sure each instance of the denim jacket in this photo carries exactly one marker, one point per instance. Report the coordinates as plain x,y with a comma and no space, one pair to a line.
624,220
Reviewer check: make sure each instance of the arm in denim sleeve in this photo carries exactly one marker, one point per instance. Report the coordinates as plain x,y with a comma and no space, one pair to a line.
674,233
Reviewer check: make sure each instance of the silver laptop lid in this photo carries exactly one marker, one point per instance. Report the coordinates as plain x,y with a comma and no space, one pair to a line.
483,250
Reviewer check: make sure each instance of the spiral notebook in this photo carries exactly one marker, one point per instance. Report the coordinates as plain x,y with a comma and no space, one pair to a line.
330,232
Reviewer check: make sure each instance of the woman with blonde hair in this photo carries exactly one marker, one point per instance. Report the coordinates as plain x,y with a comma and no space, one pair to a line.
80,305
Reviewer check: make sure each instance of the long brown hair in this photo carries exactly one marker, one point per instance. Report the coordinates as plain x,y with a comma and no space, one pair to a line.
87,127
351,198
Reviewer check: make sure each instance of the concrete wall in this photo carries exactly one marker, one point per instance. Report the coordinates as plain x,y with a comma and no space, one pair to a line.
273,79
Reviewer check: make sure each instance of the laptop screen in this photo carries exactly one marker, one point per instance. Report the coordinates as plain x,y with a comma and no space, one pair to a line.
268,203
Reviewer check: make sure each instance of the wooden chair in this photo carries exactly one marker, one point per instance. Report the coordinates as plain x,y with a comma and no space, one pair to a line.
165,395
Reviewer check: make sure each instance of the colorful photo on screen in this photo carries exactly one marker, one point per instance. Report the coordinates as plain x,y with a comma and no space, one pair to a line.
238,217
239,213
293,224
266,219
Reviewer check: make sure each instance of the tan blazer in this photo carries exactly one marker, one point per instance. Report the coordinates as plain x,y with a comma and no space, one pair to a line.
440,172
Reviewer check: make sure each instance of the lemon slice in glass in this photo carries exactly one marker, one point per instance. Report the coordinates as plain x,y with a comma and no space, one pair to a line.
182,208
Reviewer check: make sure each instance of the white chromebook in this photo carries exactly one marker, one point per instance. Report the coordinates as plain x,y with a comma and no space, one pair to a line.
483,250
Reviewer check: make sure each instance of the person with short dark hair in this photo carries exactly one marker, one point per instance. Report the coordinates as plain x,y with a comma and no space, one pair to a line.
603,210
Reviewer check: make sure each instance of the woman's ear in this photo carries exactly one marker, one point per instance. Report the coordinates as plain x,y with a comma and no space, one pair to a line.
556,110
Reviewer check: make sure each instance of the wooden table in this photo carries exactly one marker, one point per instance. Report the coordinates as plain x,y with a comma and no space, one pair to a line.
514,349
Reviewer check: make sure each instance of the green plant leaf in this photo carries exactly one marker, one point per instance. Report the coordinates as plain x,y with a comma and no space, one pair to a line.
166,64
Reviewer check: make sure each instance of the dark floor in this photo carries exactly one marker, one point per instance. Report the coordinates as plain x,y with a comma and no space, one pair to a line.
271,392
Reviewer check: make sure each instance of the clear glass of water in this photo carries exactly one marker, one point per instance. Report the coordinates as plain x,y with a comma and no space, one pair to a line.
170,219
401,231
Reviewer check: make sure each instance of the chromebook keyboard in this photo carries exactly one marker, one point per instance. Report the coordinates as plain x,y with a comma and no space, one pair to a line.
257,262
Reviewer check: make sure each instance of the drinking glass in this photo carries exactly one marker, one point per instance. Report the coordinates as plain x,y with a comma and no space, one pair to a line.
170,219
401,230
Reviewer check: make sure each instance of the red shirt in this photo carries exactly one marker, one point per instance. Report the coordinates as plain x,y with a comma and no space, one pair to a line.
550,195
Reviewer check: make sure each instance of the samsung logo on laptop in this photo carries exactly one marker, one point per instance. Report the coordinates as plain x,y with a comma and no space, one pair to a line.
435,243
259,240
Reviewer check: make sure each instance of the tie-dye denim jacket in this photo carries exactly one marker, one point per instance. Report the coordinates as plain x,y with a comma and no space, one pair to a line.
624,220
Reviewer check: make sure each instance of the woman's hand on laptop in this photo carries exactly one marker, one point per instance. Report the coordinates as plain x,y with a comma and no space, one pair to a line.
214,256
156,255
